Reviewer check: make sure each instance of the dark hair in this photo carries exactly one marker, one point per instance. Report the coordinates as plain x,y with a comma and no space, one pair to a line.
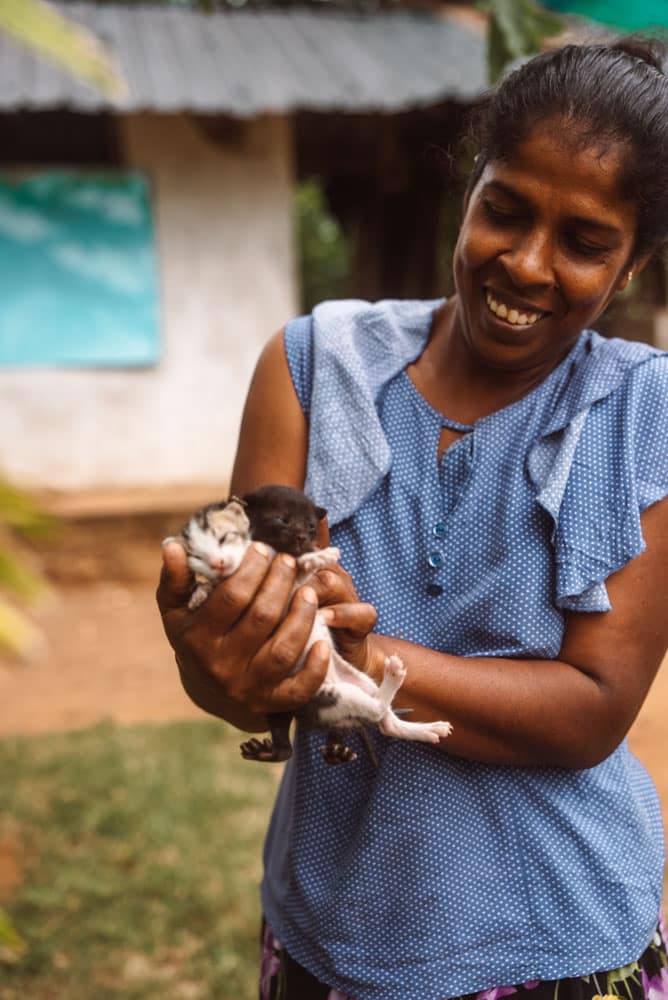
616,92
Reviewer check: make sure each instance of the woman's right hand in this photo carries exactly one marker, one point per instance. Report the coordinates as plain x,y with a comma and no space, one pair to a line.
238,651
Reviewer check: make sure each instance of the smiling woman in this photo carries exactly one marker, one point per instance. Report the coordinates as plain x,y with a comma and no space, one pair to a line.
496,477
546,242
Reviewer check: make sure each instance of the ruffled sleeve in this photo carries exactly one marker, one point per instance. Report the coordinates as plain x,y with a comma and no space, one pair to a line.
354,349
602,460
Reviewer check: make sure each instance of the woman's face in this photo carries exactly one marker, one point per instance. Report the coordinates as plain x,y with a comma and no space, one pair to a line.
546,242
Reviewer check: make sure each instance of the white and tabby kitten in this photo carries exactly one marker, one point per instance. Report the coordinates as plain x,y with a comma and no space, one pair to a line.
215,539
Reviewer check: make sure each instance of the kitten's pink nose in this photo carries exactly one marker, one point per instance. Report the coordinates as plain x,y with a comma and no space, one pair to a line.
218,564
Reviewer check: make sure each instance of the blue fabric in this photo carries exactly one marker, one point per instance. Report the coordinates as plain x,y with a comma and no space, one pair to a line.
433,876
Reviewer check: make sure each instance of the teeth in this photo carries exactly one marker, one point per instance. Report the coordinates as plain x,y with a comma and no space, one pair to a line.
510,314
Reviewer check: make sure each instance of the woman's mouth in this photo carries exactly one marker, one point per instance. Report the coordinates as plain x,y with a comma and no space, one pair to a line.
511,314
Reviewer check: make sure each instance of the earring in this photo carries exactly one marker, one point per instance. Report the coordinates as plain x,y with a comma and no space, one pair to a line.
629,276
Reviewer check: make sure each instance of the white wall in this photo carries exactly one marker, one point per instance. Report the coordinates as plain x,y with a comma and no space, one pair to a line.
227,275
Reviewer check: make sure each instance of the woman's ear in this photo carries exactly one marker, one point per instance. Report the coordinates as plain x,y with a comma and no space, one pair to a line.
633,271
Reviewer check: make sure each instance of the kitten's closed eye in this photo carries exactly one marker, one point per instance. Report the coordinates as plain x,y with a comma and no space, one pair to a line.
229,536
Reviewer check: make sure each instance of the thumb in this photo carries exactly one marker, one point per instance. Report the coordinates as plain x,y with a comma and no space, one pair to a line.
175,579
322,536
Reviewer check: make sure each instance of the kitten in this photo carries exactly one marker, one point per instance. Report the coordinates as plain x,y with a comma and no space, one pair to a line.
216,538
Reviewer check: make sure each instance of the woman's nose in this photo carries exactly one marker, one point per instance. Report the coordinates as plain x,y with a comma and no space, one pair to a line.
530,260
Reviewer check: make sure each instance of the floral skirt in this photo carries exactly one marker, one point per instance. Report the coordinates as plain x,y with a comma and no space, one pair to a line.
281,978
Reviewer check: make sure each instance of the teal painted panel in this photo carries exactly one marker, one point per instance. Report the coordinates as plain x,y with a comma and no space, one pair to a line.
619,13
78,275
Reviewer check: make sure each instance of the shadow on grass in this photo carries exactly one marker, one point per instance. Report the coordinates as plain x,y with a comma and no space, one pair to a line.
137,862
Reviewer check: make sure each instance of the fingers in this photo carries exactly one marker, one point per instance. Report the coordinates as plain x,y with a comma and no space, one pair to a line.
333,586
322,535
287,644
357,619
271,679
293,692
256,597
277,657
175,578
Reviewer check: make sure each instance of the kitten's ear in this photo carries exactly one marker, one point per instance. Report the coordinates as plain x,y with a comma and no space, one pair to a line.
233,499
321,512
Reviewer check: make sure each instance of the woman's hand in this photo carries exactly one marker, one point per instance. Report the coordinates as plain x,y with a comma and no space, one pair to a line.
351,620
238,652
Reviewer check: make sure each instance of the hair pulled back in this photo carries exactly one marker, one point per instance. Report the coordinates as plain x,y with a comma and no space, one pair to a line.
606,93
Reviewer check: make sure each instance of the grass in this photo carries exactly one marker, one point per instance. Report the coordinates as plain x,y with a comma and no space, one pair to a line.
142,856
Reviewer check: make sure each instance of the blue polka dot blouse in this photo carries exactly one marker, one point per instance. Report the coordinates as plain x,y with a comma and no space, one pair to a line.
430,876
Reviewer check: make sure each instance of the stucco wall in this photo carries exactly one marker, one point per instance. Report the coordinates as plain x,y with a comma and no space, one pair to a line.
226,268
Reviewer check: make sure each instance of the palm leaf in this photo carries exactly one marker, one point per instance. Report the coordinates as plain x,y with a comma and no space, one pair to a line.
12,945
516,28
72,46
18,635
20,512
17,578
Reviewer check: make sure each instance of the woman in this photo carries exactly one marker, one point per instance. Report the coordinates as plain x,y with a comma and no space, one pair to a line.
496,477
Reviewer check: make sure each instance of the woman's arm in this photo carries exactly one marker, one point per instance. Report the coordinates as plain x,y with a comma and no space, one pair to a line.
571,712
236,653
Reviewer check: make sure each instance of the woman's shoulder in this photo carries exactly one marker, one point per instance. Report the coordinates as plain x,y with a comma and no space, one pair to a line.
607,371
638,381
351,340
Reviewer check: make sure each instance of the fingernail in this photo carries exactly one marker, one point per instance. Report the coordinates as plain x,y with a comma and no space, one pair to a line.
261,549
327,615
288,560
309,596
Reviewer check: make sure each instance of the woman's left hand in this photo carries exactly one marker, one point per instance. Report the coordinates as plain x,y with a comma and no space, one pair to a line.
351,619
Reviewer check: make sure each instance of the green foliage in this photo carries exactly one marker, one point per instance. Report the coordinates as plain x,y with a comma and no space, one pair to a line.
143,848
516,28
12,945
42,27
324,253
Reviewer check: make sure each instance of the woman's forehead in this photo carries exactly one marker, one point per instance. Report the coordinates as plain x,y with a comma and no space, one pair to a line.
584,178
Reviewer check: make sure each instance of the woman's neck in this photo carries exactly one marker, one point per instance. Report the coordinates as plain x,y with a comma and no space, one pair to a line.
457,382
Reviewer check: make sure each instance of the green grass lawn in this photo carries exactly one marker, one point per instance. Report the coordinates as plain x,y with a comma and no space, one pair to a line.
142,851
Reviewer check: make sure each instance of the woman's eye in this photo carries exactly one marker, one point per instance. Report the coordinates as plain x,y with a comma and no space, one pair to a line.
587,249
501,216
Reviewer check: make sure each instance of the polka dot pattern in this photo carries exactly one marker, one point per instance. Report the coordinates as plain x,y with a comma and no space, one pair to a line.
428,876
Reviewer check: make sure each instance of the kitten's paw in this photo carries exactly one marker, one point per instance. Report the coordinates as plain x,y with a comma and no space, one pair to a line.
198,597
311,562
441,729
429,732
337,753
264,750
395,669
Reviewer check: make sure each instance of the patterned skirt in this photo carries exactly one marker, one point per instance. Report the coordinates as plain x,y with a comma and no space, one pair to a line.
281,978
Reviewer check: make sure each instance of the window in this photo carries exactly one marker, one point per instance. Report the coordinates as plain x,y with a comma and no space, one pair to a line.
78,284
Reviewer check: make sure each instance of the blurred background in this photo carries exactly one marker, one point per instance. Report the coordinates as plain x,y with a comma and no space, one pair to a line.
176,181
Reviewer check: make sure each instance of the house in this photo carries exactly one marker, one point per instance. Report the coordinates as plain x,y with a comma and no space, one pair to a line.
147,245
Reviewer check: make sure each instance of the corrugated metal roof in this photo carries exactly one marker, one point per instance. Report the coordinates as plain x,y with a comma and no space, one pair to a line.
248,62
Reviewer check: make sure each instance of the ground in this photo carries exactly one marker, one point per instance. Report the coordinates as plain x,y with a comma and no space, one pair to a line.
105,656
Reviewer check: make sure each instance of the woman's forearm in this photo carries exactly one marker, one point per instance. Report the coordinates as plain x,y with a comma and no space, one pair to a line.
541,713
